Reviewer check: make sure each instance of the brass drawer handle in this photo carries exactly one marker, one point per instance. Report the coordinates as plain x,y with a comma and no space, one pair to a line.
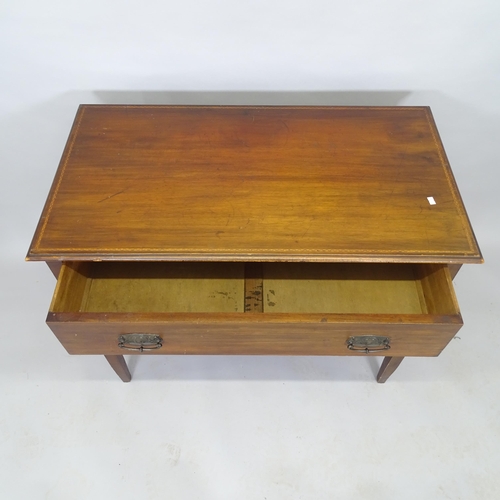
139,342
368,343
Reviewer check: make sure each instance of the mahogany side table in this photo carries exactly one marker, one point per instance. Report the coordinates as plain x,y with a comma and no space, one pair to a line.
254,230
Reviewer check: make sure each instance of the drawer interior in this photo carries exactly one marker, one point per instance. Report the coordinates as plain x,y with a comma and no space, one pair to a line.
233,287
151,287
341,288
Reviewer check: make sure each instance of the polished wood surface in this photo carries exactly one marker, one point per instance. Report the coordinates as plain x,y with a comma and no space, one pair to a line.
254,184
435,282
253,334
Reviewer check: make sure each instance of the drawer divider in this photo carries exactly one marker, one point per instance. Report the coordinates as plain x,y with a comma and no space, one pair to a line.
254,288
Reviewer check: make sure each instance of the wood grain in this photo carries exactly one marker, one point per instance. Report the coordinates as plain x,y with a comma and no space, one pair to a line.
254,184
72,286
253,334
437,289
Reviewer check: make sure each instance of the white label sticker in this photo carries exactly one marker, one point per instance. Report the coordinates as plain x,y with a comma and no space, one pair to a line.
431,200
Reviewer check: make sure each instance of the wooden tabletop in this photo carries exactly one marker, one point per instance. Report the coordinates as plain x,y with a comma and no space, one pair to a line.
254,183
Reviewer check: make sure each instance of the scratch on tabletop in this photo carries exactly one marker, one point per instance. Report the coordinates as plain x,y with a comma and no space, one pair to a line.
111,196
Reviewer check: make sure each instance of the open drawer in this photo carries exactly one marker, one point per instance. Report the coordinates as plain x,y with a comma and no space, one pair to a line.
117,308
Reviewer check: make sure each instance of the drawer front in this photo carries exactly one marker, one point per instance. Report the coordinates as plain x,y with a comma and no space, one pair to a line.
251,337
229,308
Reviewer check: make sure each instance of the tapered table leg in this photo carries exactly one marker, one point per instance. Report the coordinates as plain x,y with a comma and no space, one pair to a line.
388,367
120,367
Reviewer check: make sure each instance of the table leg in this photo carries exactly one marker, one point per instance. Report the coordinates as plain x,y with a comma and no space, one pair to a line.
388,367
120,367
